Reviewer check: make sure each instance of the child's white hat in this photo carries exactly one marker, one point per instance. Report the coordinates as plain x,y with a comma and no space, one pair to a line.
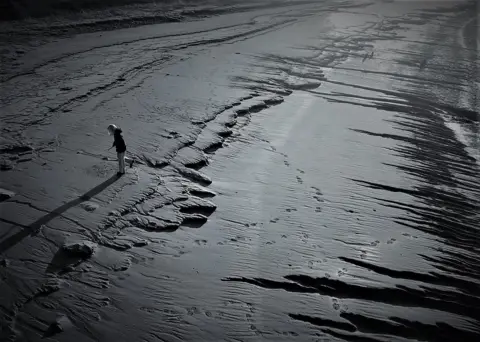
111,129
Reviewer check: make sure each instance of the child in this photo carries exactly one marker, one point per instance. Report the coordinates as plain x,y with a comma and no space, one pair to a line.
120,146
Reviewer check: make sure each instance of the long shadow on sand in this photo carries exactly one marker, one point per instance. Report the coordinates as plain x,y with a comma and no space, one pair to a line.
33,228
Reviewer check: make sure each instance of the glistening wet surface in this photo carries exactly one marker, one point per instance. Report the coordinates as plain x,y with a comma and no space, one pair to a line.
298,181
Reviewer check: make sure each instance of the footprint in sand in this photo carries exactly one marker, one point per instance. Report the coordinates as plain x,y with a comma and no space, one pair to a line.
299,180
304,237
342,272
192,311
249,317
335,304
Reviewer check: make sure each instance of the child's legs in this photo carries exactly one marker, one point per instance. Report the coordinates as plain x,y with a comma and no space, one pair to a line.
121,162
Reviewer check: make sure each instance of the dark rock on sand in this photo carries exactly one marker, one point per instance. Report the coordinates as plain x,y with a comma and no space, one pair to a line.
60,325
83,249
89,206
193,175
194,220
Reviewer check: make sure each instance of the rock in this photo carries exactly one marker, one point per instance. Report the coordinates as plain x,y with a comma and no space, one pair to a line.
151,223
196,205
89,206
83,249
140,243
5,194
114,213
198,190
60,325
192,174
274,100
194,220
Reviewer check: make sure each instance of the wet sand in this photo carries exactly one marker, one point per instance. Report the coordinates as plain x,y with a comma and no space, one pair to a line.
297,178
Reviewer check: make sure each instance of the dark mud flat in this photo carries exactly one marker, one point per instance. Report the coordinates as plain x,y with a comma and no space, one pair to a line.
306,173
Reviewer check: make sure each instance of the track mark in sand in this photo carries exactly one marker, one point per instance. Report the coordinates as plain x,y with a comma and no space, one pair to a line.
69,55
120,80
234,240
313,264
48,287
304,237
318,196
193,311
342,272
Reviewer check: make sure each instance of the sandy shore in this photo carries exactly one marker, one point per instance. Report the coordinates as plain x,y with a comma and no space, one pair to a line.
301,173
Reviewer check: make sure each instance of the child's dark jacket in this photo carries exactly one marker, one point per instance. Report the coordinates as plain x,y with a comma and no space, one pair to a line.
118,141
